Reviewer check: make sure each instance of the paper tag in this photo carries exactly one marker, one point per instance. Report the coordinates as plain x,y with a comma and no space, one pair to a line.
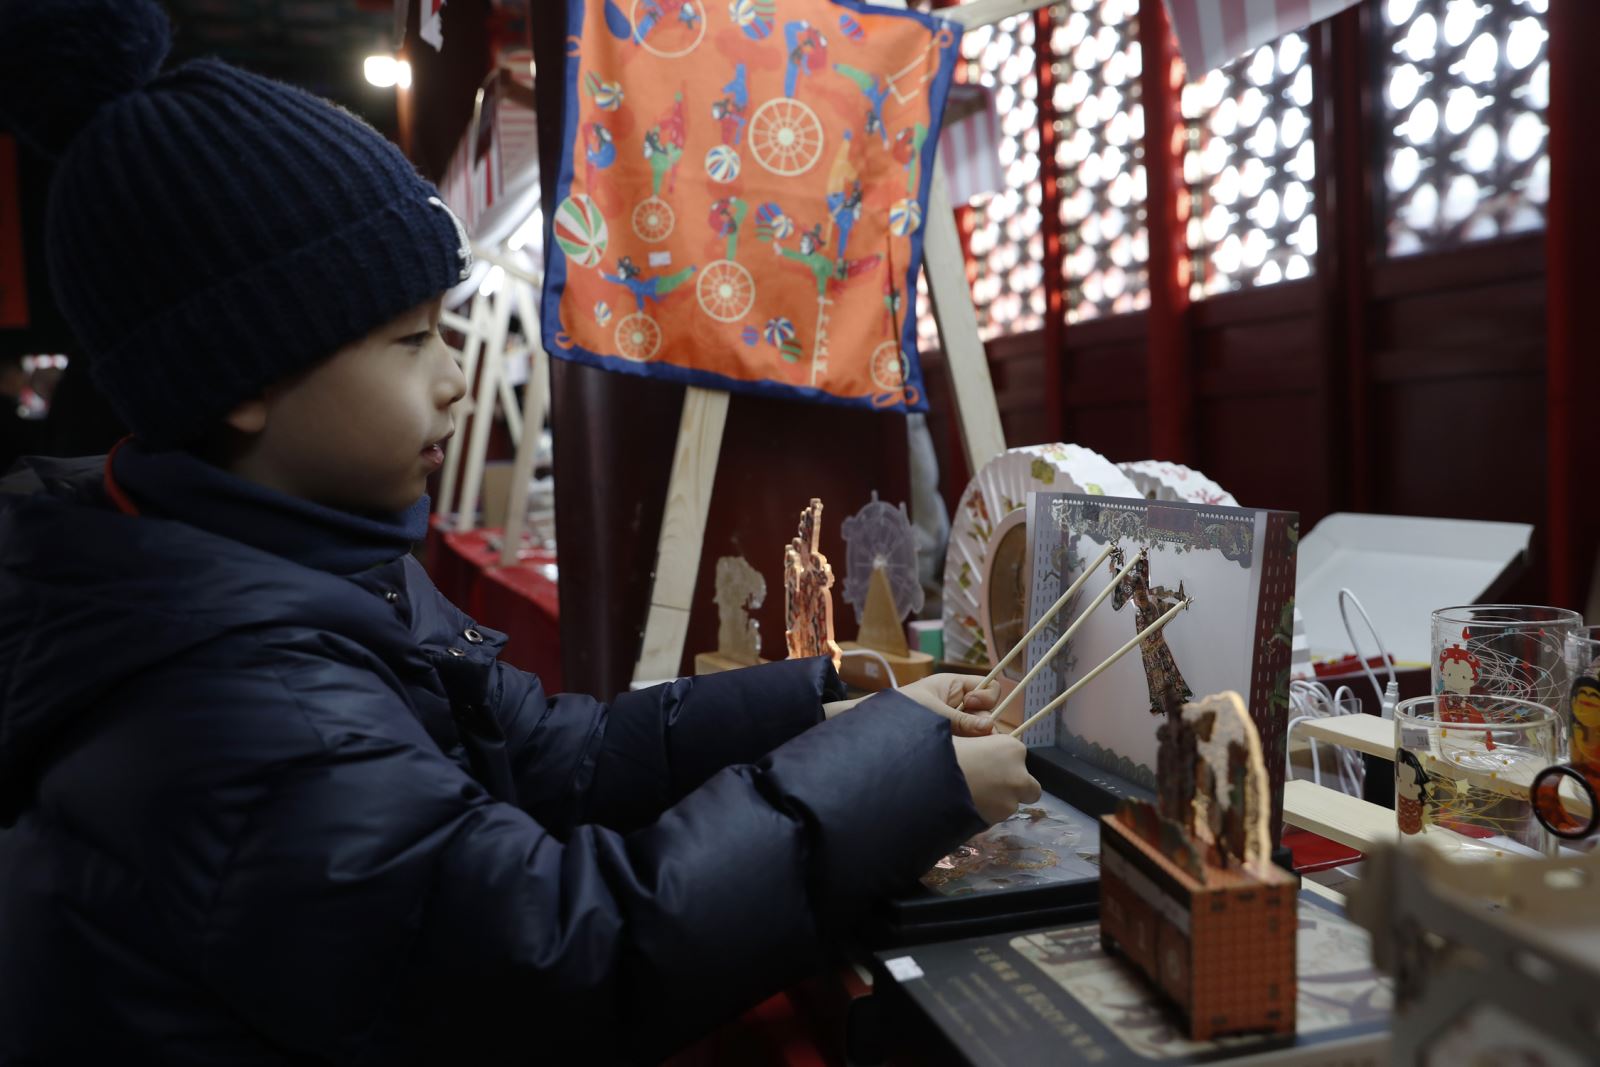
903,968
661,259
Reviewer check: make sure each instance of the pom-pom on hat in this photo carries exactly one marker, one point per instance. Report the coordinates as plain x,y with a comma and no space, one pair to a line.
209,232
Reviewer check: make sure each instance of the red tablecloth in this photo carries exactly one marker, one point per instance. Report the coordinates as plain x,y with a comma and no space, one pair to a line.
521,601
1315,853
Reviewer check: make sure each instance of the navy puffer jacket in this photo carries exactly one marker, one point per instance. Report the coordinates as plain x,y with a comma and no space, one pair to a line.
257,811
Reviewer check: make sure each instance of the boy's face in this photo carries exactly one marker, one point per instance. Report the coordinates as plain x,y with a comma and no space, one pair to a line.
364,429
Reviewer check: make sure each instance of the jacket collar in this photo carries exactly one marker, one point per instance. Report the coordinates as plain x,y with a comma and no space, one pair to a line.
174,484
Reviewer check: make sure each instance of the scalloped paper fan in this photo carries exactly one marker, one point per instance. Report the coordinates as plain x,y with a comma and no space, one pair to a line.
1159,480
985,568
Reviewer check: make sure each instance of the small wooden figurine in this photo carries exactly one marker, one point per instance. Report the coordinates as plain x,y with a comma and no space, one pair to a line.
1188,891
740,591
881,584
808,591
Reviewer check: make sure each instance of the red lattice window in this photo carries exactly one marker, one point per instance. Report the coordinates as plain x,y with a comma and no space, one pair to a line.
1006,243
1099,125
1249,167
1464,88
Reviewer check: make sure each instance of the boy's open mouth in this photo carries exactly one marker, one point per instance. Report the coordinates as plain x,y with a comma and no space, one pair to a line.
434,453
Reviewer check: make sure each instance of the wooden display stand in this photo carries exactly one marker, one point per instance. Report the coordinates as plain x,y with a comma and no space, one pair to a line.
1222,950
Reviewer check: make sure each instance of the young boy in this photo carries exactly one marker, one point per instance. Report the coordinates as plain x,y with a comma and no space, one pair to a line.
267,797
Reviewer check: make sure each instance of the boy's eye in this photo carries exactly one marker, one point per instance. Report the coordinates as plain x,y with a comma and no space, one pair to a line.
417,340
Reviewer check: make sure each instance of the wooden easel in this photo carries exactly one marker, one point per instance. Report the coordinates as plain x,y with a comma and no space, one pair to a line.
484,356
705,411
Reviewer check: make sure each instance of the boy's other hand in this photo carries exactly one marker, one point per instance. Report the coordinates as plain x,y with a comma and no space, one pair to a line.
997,774
958,698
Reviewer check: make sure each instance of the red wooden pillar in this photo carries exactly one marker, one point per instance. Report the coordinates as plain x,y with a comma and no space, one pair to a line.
1172,379
1055,311
1345,240
1572,278
444,83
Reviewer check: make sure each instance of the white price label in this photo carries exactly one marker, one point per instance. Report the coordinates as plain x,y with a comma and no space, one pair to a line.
903,968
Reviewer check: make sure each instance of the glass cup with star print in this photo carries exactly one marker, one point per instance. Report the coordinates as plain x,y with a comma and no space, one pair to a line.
1464,770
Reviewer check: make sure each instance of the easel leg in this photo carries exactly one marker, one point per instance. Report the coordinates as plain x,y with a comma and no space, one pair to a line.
483,411
535,400
472,348
683,531
943,260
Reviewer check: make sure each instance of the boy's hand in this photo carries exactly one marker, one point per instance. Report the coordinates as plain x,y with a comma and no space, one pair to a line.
997,775
955,696
958,698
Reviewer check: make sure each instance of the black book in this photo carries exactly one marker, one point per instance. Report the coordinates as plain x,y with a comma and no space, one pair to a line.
1053,996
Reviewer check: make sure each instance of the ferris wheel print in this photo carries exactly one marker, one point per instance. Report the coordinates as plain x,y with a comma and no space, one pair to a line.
786,136
888,366
726,290
654,219
638,338
653,17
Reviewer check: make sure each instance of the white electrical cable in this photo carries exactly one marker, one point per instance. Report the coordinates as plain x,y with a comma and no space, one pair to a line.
1312,700
1388,663
873,654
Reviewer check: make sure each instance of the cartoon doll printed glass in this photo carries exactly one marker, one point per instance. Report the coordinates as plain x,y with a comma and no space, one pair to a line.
1567,796
1464,768
1512,650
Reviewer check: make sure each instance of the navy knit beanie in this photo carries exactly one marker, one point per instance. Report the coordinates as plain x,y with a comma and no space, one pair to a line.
209,232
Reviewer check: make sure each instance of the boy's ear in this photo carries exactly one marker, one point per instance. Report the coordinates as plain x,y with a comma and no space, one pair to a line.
249,417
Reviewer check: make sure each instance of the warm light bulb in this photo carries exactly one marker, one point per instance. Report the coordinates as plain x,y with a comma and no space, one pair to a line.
382,71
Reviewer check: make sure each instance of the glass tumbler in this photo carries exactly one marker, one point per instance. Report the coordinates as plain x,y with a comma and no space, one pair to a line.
1565,796
1511,650
1464,772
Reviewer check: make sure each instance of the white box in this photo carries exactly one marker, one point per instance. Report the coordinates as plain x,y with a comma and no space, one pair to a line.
1401,568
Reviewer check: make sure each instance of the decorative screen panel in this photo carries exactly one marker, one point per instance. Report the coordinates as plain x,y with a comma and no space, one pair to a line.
1464,88
1007,245
1249,167
1099,123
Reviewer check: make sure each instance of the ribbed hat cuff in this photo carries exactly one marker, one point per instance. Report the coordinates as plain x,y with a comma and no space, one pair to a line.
179,374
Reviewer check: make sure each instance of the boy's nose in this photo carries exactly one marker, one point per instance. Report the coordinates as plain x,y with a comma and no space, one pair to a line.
455,382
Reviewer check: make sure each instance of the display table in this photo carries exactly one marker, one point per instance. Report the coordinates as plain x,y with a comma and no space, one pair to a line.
522,601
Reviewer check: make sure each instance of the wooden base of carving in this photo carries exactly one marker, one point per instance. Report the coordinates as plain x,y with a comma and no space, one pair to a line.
865,672
716,663
1223,951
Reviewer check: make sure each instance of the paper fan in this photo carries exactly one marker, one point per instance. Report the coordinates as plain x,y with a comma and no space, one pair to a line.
986,567
1158,480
